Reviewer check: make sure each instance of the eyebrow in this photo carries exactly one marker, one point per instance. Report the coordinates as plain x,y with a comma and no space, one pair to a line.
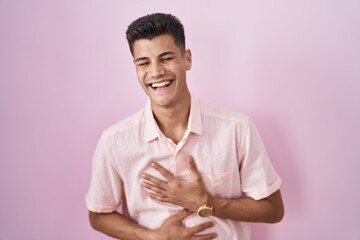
161,55
140,59
167,53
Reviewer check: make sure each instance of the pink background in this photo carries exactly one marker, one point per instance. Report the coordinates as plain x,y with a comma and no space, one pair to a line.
66,74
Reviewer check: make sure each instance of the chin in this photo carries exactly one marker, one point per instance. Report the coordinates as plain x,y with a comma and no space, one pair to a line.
165,102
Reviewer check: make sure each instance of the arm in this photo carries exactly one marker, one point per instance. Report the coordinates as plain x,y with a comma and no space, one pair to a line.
118,226
268,210
192,193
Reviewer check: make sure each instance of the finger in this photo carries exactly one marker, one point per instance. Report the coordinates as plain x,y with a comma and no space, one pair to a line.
159,198
166,173
154,188
204,236
181,215
155,181
201,227
192,166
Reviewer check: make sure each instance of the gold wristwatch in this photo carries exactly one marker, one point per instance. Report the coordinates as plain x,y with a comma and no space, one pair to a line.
205,210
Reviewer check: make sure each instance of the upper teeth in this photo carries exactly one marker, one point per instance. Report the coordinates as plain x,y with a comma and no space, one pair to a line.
160,84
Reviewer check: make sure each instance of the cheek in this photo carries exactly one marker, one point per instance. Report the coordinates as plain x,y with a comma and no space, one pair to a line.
140,75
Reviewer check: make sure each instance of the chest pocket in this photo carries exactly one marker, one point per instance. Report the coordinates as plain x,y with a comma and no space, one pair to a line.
219,184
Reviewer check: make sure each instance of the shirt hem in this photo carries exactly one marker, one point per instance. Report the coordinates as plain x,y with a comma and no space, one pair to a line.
267,192
93,207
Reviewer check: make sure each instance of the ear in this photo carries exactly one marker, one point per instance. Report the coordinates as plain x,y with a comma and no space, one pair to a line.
188,59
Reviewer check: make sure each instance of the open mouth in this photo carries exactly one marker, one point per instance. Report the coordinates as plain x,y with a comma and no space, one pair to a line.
162,84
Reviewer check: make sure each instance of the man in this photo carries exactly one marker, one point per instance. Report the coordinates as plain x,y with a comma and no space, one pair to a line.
180,169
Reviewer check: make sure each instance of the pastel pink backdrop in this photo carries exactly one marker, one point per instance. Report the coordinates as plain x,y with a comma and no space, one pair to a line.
66,74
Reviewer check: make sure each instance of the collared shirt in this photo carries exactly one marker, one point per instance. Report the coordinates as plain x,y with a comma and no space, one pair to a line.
226,148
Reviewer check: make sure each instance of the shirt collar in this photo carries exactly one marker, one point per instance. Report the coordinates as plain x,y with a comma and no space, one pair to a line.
194,123
152,130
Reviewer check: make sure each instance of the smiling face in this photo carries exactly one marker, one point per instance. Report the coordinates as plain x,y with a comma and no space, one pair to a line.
161,70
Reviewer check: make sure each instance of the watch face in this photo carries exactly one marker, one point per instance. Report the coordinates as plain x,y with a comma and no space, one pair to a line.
205,212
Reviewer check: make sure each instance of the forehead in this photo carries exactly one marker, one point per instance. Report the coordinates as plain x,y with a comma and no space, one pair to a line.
155,46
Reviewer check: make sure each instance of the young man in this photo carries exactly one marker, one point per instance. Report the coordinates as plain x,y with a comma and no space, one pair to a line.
180,169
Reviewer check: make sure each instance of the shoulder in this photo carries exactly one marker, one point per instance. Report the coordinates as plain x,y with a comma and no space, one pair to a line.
216,112
129,124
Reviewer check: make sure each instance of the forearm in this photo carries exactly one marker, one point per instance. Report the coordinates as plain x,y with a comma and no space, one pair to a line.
268,210
117,226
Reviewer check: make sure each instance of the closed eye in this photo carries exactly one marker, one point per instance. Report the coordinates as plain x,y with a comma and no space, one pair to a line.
142,63
166,59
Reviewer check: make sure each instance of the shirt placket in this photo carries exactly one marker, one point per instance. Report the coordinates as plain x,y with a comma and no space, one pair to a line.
179,160
177,163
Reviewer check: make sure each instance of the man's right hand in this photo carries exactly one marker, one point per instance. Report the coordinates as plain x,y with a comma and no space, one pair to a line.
172,229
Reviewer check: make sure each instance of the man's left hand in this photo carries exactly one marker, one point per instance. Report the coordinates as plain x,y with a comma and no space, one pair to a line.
189,194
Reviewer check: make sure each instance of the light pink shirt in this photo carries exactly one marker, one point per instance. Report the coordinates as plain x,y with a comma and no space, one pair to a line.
226,147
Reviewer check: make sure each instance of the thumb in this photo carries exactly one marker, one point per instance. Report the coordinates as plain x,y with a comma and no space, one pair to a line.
192,166
181,215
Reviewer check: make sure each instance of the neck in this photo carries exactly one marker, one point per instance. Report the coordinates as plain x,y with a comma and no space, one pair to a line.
173,120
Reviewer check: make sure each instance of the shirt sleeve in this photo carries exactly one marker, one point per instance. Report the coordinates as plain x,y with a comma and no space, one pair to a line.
105,191
258,176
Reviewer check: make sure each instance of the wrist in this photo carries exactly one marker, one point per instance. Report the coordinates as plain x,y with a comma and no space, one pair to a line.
220,204
205,209
142,233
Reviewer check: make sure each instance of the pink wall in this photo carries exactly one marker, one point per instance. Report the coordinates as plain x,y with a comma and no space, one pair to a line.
66,75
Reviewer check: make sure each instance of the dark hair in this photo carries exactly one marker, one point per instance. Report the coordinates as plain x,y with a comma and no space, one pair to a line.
152,25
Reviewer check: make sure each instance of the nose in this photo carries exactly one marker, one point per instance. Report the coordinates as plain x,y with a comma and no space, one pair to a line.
157,70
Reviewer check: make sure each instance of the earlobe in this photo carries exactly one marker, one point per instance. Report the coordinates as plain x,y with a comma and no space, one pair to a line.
188,63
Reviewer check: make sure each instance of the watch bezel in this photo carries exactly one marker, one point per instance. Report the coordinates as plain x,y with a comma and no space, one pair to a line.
205,210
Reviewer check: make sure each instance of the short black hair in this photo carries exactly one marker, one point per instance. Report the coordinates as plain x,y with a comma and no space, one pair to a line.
152,25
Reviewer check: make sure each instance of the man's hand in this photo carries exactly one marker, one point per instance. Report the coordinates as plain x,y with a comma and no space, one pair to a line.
188,194
172,229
